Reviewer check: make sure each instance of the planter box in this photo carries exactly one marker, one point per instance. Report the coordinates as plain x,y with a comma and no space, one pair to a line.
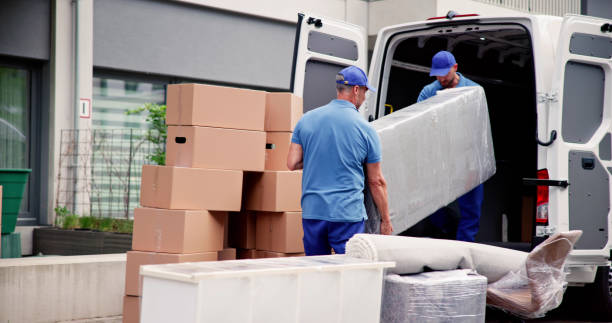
54,241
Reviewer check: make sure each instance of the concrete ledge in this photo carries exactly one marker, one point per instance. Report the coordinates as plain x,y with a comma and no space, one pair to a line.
68,288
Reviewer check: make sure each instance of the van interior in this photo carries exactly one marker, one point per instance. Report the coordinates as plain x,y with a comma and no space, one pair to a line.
500,59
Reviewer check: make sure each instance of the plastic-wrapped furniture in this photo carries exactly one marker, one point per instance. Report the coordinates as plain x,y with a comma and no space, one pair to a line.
437,296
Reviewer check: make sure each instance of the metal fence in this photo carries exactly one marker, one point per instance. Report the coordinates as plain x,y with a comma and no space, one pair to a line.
100,170
543,7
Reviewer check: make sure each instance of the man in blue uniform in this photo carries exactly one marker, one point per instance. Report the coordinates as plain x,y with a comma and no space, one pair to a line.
332,143
444,68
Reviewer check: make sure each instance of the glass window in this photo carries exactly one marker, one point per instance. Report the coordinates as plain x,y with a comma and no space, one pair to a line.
119,144
113,96
14,118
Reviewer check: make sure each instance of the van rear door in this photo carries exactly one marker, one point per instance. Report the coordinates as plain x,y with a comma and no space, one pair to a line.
323,47
581,113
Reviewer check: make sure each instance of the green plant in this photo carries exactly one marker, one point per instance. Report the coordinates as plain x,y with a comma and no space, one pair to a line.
71,222
61,212
158,130
86,222
106,225
123,225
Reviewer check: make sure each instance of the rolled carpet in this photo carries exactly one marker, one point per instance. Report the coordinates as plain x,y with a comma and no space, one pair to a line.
415,255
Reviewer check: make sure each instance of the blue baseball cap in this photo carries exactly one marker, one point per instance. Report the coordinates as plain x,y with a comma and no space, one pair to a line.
441,63
353,75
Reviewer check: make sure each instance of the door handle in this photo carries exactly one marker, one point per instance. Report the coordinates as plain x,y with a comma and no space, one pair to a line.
545,182
588,163
553,137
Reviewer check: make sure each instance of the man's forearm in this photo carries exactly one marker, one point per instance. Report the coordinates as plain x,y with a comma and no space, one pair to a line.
379,194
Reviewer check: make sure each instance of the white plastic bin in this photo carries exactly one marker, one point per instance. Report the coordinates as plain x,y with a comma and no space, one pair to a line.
298,289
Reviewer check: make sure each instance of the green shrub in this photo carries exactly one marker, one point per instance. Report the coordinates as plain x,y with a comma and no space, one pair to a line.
106,225
60,214
123,225
86,222
71,222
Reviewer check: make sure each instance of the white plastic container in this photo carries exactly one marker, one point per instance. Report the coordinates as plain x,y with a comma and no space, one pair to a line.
298,289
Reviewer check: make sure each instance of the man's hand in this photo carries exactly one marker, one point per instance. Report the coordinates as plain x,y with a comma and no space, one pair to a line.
386,227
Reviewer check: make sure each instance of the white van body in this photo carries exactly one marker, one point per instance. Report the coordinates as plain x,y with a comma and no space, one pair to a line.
561,71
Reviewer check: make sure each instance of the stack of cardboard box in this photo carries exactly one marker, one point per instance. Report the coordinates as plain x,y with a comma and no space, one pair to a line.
270,224
226,152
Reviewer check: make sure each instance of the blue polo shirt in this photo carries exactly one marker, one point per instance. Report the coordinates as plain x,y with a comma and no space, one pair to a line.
336,142
430,89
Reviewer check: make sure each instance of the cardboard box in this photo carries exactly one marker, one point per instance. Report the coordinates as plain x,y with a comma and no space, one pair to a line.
242,230
274,191
226,254
272,254
283,111
131,309
216,148
277,149
246,253
279,232
182,188
178,231
215,106
135,259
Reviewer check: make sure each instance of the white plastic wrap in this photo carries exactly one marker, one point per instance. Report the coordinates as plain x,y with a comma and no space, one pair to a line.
538,286
438,296
433,152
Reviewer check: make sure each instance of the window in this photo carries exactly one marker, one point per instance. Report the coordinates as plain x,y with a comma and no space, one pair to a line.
113,96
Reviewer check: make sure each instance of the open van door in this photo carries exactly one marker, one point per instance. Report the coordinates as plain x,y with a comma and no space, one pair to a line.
323,47
581,114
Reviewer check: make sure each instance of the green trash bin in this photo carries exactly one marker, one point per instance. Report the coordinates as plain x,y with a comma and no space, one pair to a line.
11,245
13,182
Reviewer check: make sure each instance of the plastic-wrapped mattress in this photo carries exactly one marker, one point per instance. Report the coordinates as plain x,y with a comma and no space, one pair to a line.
433,152
438,296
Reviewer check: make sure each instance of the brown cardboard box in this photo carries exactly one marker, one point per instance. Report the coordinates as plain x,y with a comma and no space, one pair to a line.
246,253
242,230
182,188
226,254
131,309
274,191
135,259
279,232
215,106
272,254
215,148
178,231
283,111
277,149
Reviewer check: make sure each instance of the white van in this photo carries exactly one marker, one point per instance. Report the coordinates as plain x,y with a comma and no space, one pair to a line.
548,82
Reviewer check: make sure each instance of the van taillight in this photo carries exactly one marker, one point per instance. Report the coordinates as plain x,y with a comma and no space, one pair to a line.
542,201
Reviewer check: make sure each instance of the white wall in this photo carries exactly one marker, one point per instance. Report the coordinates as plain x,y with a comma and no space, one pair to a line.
467,6
63,89
353,11
61,288
392,12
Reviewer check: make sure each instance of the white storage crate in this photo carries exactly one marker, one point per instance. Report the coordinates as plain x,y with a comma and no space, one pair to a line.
317,289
